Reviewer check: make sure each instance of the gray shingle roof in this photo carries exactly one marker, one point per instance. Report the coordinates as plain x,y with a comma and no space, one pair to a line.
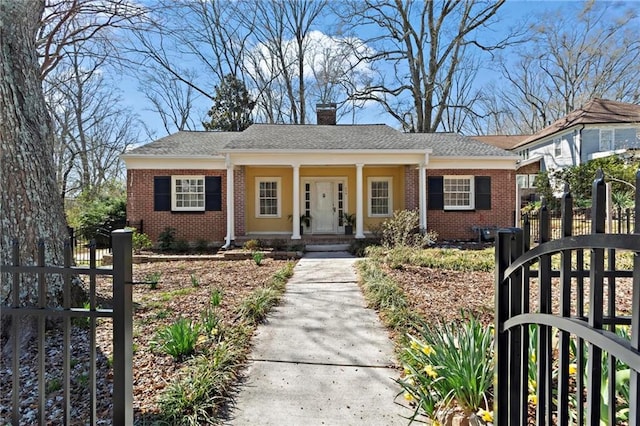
264,137
186,144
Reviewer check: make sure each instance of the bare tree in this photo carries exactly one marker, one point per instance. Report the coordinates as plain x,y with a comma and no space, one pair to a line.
422,45
572,58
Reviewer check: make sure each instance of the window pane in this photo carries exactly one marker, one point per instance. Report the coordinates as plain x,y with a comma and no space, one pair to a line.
380,204
457,192
268,198
189,193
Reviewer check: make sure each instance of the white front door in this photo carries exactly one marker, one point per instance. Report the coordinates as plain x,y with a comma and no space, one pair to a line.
323,208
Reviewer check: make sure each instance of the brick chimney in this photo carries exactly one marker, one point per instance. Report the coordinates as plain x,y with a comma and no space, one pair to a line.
326,114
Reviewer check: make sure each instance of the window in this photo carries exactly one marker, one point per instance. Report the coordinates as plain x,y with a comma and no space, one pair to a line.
526,181
606,139
268,197
380,197
557,147
188,193
458,192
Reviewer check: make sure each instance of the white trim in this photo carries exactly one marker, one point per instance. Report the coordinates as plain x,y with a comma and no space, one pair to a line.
174,194
278,181
389,181
476,163
295,232
172,163
471,180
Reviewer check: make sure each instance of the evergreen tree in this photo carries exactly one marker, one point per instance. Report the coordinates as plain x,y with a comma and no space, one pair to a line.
232,106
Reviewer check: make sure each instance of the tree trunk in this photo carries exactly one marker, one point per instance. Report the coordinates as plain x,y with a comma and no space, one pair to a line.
31,209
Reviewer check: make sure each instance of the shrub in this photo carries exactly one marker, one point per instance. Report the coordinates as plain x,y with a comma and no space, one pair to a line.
180,246
252,245
403,230
166,239
140,241
178,339
255,307
202,246
99,213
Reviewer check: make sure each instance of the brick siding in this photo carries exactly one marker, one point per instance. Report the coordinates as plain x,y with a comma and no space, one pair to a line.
411,188
453,225
210,226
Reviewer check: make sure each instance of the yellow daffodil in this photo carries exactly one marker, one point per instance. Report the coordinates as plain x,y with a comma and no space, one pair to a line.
573,369
533,357
427,350
407,371
533,399
201,340
430,371
415,345
408,397
532,384
486,416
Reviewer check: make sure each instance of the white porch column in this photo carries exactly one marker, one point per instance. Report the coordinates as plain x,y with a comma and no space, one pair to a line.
296,203
422,196
359,202
230,205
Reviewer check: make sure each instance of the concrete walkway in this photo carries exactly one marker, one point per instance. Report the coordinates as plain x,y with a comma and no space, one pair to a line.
322,358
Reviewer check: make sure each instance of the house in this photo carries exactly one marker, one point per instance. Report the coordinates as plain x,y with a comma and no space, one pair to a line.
219,186
598,129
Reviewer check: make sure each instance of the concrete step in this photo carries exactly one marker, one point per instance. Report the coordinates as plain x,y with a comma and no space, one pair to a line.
326,247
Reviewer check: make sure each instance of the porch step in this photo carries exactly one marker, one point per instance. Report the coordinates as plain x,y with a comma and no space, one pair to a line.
326,247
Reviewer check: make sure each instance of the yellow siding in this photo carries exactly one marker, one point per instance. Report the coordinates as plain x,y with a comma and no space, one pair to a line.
283,223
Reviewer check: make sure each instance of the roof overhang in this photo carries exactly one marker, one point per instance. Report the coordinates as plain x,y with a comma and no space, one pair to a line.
199,162
326,157
466,163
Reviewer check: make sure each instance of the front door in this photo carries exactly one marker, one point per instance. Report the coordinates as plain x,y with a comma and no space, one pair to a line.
323,209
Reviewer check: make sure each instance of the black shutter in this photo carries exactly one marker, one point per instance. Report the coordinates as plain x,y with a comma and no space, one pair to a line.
213,193
435,189
162,193
483,192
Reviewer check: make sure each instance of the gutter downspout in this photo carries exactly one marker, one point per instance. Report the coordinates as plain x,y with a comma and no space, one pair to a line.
579,144
230,207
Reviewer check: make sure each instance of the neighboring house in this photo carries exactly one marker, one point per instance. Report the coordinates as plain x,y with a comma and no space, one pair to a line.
217,186
599,129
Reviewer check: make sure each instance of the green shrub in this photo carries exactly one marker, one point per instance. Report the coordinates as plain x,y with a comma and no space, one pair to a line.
166,239
257,257
140,241
99,213
180,246
403,230
202,246
178,339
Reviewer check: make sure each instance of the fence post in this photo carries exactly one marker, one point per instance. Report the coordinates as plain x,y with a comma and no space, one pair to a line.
122,328
634,391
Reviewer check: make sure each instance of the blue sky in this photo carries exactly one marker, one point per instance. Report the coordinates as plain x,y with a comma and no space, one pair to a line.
513,13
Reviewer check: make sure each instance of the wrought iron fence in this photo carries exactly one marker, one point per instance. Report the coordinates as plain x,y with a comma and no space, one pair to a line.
583,369
101,241
120,314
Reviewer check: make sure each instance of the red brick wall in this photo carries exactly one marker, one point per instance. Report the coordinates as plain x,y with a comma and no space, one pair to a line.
411,188
209,225
239,199
451,225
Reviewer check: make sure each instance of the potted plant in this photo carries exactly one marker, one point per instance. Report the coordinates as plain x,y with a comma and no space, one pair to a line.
305,220
349,220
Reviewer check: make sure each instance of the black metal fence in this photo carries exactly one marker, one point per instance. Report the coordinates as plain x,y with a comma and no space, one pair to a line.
121,316
101,241
584,366
622,222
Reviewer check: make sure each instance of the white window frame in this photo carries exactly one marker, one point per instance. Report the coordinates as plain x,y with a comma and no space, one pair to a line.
370,182
611,142
174,194
278,182
557,147
471,205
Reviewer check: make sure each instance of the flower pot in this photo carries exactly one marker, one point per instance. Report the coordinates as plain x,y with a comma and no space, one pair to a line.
348,230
